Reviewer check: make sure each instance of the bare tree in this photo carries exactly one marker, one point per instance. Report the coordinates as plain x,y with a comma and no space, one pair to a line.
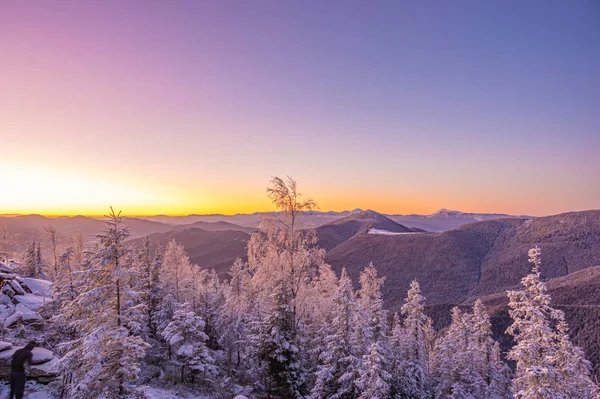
286,198
52,236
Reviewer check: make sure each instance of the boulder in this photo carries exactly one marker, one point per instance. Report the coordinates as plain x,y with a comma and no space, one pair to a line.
36,286
41,355
12,319
42,369
28,314
8,290
17,287
33,302
45,372
5,345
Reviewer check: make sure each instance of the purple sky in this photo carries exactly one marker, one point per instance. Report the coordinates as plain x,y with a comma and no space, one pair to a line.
190,106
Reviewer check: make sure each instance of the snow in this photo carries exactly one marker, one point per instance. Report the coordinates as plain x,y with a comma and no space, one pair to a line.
37,286
159,393
33,302
33,390
388,233
4,345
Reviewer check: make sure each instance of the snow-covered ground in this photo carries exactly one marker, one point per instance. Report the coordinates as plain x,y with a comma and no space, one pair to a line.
33,390
388,233
160,393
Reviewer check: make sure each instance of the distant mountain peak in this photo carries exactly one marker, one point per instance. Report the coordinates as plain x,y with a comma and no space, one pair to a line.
443,212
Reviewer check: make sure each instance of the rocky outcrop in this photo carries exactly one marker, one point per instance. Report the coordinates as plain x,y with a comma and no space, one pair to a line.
21,298
43,366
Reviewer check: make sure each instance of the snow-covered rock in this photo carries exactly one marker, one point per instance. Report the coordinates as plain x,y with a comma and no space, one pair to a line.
5,345
47,368
33,302
12,319
17,287
41,355
6,269
37,286
28,314
241,397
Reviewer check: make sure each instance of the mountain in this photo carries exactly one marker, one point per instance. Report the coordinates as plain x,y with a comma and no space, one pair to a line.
474,260
208,249
335,233
25,228
445,219
215,226
441,220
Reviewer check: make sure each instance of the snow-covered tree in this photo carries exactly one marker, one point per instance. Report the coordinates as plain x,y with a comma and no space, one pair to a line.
149,285
105,354
374,381
185,335
236,319
175,271
283,261
546,360
485,358
411,375
370,301
277,347
340,363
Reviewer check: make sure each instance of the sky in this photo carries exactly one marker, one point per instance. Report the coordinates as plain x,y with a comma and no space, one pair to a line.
178,107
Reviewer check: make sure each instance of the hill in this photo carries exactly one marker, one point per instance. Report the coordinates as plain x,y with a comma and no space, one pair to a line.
208,249
335,233
474,260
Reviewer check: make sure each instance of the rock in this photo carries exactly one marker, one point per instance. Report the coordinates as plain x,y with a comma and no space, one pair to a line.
33,302
6,269
43,367
36,286
8,290
5,345
6,300
17,287
41,355
45,370
7,354
241,397
12,319
28,314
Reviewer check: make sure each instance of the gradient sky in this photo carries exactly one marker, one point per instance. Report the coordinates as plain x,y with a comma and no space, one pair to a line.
402,106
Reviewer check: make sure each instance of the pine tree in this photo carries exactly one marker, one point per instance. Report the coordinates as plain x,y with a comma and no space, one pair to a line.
149,272
485,358
104,354
374,323
185,335
413,374
374,380
339,363
237,318
283,261
278,349
546,360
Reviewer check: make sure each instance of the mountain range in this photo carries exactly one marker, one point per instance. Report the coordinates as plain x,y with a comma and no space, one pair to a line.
461,256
